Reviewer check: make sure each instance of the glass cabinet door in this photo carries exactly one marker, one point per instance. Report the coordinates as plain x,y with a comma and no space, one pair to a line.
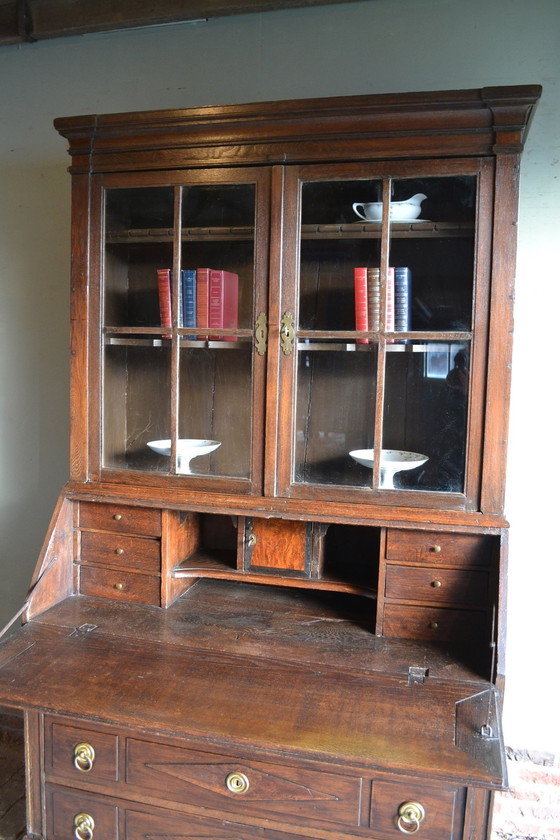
183,277
388,274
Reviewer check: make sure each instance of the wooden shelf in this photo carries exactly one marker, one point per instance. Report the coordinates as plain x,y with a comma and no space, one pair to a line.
220,565
345,230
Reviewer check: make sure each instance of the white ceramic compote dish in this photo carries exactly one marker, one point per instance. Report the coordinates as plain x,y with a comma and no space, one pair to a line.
187,449
392,461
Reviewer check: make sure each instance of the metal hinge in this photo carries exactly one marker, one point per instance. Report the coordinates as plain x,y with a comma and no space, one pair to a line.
417,675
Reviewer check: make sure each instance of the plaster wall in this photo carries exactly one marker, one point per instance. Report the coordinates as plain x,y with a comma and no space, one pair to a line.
375,46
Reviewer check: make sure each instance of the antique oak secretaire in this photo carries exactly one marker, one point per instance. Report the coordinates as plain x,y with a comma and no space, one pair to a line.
271,600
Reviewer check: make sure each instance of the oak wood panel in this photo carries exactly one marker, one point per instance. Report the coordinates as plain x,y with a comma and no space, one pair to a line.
179,671
120,585
445,123
62,808
52,578
61,739
280,545
434,623
442,585
439,548
119,550
442,806
120,519
274,790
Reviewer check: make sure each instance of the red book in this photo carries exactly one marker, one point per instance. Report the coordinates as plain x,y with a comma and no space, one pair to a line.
164,292
361,302
223,300
202,299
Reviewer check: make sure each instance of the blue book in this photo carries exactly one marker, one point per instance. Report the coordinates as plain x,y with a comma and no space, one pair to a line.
402,298
188,299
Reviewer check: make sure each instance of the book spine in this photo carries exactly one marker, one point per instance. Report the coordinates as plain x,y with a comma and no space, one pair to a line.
202,282
223,296
188,298
374,298
390,300
164,278
361,302
402,298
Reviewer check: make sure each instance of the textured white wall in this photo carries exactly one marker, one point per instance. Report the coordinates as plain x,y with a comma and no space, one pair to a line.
376,46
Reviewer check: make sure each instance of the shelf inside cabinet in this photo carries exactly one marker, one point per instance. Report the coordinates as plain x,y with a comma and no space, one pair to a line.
138,236
372,230
346,230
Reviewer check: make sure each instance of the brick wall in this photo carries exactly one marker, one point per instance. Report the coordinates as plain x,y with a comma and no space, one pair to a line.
530,809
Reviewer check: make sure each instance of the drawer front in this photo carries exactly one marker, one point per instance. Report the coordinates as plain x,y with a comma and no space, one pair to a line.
122,519
420,583
432,813
444,548
76,816
120,550
434,623
244,787
120,585
79,754
158,824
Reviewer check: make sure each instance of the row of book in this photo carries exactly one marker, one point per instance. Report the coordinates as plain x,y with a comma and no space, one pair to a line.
367,296
209,297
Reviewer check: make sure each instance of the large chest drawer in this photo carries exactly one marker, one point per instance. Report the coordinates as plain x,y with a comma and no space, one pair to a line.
220,782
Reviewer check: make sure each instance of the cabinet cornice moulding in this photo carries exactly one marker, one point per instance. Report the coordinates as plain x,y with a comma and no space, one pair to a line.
473,122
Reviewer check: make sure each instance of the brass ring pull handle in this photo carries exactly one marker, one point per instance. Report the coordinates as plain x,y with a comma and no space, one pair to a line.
237,782
83,827
84,756
409,817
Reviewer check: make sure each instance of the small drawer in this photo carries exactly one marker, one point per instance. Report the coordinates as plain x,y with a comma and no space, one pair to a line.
76,816
437,624
120,550
120,585
424,583
439,548
402,808
79,754
122,519
226,784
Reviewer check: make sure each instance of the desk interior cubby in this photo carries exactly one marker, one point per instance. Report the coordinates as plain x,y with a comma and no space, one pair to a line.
327,556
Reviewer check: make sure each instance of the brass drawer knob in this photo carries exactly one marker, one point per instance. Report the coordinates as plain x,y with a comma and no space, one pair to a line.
84,756
435,548
436,584
237,782
83,827
433,625
119,550
117,516
409,817
118,586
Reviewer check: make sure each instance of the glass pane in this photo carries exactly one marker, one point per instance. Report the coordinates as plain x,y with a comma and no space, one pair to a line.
335,242
432,253
215,419
218,235
335,411
425,416
216,367
138,242
137,358
136,401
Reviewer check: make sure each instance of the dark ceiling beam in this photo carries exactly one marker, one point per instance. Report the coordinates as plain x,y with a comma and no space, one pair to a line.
37,20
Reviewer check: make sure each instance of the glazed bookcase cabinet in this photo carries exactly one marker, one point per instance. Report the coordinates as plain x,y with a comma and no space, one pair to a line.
271,599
